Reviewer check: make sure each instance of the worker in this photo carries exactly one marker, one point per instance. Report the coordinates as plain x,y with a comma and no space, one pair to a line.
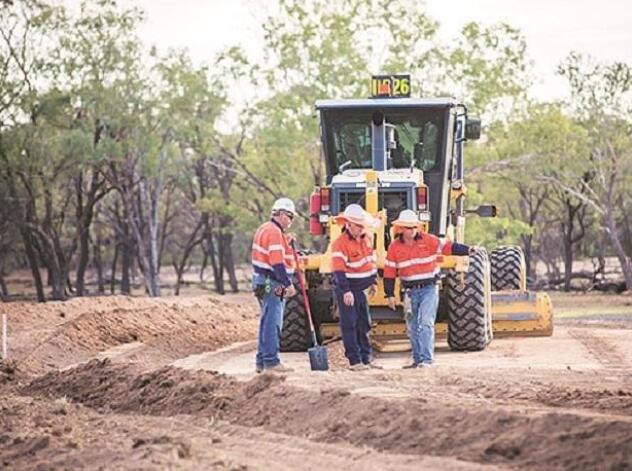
273,265
354,271
413,255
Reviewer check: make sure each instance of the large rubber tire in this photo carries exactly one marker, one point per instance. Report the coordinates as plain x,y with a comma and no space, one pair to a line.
508,268
469,306
295,336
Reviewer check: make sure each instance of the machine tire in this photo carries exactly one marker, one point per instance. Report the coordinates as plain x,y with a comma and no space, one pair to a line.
295,336
508,268
469,306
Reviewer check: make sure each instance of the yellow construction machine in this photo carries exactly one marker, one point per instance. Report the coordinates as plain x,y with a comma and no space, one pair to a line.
392,152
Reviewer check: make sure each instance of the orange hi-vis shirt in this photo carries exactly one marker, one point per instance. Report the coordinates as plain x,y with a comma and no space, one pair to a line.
416,263
353,262
272,254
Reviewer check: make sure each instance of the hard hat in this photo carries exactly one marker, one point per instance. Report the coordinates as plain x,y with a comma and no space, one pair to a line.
407,218
284,204
355,214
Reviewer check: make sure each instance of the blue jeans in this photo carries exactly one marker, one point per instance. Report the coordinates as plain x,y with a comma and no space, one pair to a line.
421,324
270,323
355,325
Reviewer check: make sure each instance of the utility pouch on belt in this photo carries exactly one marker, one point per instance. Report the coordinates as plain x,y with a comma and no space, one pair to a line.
408,305
260,291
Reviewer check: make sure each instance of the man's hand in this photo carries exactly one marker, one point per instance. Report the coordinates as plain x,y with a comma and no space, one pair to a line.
290,291
391,303
372,290
347,298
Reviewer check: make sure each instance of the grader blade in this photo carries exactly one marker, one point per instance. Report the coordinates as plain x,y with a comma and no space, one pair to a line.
521,314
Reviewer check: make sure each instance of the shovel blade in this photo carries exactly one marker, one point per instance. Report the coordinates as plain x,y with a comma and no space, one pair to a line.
318,358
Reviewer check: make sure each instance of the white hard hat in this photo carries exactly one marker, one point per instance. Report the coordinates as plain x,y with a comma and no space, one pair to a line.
407,218
284,204
356,214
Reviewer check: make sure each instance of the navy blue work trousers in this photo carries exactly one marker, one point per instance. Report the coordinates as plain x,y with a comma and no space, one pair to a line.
355,325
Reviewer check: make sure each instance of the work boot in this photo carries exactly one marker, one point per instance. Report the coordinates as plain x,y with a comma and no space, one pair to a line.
413,365
373,366
259,369
425,365
279,368
359,367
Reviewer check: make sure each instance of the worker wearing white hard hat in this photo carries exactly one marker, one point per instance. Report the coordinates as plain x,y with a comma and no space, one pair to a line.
273,265
354,271
413,257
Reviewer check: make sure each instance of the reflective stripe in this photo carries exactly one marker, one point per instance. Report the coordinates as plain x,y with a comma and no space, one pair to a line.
258,248
270,247
364,274
359,263
339,255
388,263
256,263
423,276
415,261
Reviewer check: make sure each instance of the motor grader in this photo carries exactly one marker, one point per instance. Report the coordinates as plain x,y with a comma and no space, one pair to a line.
392,152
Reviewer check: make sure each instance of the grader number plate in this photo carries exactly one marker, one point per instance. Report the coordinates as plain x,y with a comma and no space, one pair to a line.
390,86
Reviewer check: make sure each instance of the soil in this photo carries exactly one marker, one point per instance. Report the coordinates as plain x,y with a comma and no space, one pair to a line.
138,383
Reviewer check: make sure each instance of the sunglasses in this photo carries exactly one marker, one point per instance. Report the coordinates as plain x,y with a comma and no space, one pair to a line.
289,215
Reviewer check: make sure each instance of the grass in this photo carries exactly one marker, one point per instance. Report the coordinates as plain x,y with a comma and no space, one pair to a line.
577,305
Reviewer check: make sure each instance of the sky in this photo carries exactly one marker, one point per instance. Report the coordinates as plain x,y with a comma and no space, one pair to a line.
552,28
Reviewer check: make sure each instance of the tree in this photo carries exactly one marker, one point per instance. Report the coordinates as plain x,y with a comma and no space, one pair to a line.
602,101
539,142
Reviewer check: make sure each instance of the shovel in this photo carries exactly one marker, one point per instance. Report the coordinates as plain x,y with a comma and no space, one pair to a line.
317,354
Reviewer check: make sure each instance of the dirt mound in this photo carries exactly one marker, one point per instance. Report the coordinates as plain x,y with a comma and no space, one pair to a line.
512,389
482,433
102,385
166,329
59,434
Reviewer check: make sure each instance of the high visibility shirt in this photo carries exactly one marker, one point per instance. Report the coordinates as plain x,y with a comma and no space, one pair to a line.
416,264
353,262
272,254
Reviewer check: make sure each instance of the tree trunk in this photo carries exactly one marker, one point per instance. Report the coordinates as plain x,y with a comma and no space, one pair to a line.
210,251
190,245
204,264
154,223
568,263
117,244
58,284
147,248
32,258
229,263
4,291
84,255
527,243
127,257
98,264
624,261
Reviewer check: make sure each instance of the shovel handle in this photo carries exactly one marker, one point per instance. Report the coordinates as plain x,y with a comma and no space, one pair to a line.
301,282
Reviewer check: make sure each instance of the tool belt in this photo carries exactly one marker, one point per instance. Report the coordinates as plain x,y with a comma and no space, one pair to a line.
261,290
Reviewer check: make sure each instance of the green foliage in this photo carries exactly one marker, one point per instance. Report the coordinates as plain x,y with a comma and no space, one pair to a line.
81,95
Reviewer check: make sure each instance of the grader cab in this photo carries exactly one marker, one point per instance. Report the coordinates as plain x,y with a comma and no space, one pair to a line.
389,153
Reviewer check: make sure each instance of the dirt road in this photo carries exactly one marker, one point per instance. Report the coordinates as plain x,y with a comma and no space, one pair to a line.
134,383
